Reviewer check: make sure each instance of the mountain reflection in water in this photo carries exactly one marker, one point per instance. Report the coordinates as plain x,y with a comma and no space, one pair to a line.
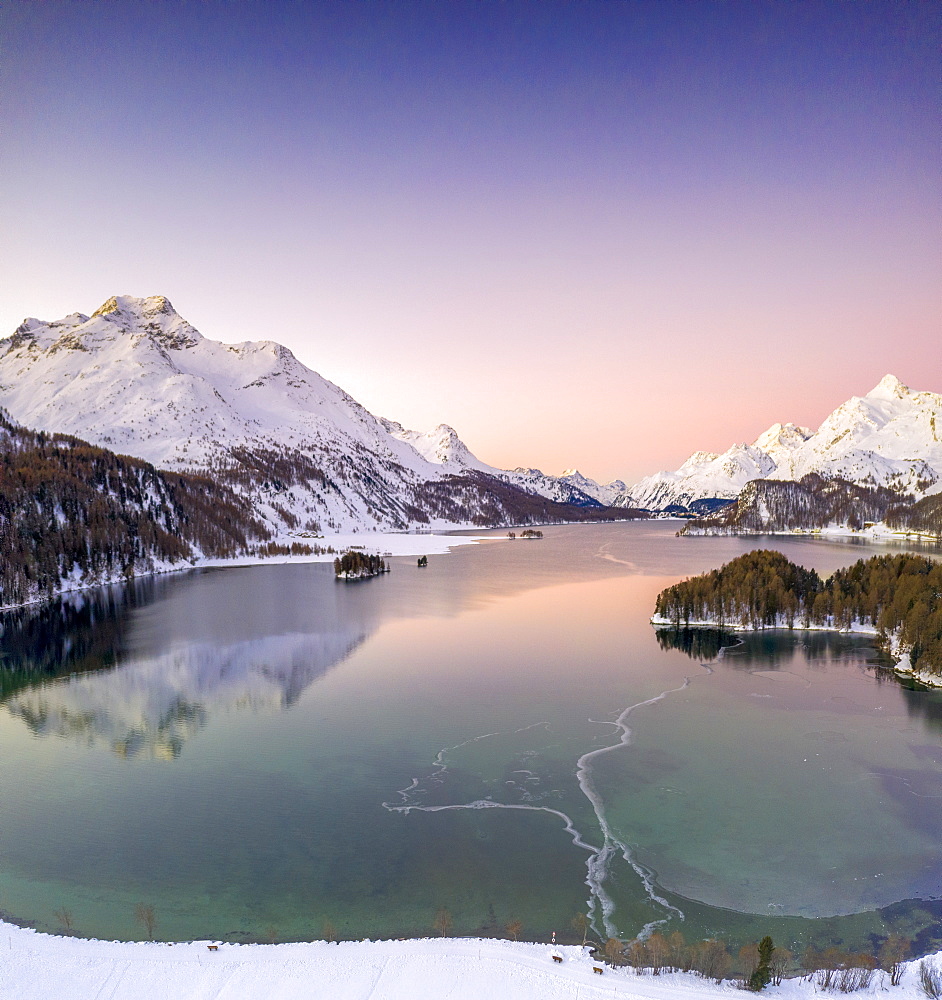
88,667
784,787
140,667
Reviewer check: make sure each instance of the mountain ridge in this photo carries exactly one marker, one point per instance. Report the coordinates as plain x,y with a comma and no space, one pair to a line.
891,437
136,378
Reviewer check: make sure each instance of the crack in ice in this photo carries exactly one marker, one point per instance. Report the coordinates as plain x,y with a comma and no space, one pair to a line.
611,843
598,864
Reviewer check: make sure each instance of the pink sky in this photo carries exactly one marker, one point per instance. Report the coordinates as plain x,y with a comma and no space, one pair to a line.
592,235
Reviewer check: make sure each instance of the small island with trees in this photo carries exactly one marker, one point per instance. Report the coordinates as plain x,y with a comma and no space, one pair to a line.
897,599
353,565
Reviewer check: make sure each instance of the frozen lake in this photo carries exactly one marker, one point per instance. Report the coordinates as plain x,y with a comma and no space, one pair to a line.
259,752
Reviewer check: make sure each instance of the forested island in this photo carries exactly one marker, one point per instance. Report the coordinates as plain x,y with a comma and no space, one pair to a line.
897,598
354,565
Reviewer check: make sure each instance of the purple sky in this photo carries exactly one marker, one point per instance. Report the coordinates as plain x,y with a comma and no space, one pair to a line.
591,234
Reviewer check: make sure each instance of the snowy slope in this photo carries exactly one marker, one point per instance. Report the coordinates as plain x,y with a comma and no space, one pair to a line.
137,378
443,447
39,965
891,437
607,494
704,474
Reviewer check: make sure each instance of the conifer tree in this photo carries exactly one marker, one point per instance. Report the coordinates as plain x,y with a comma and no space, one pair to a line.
762,975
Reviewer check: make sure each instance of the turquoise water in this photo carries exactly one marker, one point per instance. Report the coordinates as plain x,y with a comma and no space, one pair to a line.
256,752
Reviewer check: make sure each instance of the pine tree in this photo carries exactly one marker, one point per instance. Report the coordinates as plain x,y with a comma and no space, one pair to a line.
763,971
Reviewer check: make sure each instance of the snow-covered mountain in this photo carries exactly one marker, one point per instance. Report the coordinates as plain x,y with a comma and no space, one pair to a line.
610,494
890,437
445,449
137,378
704,474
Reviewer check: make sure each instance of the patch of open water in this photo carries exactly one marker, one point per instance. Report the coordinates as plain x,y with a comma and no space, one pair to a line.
259,752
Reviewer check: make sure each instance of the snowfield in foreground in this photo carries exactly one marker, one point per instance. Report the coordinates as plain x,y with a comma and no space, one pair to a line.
37,966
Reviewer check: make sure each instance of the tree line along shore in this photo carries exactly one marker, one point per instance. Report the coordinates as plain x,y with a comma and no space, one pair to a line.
898,598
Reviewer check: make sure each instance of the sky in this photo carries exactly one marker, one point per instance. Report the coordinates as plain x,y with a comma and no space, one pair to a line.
590,234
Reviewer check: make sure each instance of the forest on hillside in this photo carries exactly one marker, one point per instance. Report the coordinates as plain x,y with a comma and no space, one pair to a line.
487,501
71,511
898,596
817,502
924,515
283,477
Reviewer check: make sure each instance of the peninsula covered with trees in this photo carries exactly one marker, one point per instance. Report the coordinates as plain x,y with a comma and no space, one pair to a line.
896,598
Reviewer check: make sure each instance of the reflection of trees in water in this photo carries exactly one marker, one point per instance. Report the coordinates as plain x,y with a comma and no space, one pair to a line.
77,667
697,643
161,738
72,634
775,648
922,704
770,649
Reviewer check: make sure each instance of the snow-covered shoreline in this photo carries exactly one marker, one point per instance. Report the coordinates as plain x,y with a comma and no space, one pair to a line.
876,533
380,543
36,965
902,665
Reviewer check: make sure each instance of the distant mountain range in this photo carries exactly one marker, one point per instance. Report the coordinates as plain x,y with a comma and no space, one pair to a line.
129,443
891,438
259,452
138,379
814,503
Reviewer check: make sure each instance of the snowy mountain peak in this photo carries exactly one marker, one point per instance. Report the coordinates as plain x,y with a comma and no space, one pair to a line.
889,387
441,446
782,436
130,305
699,458
891,437
108,307
153,317
609,495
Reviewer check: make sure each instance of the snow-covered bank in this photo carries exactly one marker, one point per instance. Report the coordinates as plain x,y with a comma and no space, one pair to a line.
905,668
902,666
856,628
384,543
40,966
880,532
381,543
